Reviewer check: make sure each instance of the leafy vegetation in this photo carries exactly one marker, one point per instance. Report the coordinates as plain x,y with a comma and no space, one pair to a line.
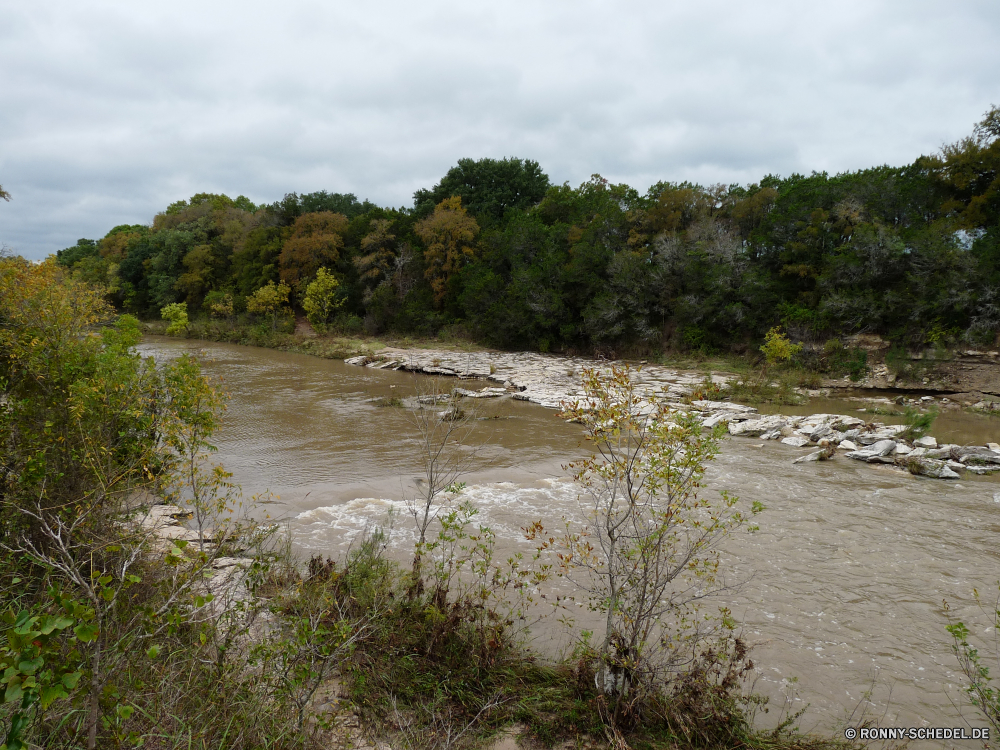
981,686
911,253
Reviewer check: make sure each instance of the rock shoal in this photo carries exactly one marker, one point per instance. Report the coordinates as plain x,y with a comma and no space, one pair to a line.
550,380
541,379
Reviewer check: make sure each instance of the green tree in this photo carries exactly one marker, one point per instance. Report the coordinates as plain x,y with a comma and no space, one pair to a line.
83,433
177,314
269,300
488,187
83,248
198,275
377,261
777,350
322,299
219,304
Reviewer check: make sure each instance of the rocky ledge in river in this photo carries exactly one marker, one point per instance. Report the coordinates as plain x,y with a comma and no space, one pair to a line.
871,442
549,381
542,379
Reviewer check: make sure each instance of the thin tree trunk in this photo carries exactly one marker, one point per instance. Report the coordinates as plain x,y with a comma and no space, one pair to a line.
95,697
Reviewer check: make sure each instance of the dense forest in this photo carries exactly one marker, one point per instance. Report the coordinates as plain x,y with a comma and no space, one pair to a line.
494,249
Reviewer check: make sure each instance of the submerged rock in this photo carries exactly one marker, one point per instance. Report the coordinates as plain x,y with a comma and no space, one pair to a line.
491,392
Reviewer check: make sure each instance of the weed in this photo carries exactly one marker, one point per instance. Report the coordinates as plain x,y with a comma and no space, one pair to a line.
918,423
383,402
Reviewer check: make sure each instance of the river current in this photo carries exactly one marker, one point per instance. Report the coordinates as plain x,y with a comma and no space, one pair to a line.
841,588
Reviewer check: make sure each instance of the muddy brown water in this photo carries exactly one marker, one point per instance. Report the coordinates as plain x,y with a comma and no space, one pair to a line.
842,585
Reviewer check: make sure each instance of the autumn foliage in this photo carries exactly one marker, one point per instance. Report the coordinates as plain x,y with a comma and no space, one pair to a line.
449,234
316,241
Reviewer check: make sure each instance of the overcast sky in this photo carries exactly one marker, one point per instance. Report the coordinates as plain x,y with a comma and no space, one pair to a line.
109,111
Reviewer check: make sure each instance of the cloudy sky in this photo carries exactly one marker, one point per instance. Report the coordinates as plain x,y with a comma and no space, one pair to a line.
111,110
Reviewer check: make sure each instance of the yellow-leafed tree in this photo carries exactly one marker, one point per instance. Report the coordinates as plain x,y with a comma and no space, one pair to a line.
321,299
269,300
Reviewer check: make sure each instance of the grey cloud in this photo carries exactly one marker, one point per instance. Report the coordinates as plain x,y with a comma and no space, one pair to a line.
110,111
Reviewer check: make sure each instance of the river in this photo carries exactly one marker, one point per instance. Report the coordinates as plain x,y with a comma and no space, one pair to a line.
842,586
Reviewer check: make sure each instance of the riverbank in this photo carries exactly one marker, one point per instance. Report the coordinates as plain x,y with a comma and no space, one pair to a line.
968,377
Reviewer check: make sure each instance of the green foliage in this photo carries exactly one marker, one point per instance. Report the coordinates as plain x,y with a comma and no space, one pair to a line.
39,661
219,304
488,187
322,299
269,300
83,248
176,313
840,360
981,685
777,349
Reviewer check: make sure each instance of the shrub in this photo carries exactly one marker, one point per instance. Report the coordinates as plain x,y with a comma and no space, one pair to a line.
649,540
269,301
176,313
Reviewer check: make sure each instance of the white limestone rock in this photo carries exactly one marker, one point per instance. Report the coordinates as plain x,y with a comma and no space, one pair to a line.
796,442
757,427
928,467
819,433
809,457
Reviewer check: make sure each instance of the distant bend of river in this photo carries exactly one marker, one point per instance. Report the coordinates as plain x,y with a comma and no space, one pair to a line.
844,581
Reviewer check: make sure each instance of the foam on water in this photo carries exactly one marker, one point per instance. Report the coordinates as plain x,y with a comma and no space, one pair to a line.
506,508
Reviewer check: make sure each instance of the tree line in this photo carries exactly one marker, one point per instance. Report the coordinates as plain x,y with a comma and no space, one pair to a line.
911,253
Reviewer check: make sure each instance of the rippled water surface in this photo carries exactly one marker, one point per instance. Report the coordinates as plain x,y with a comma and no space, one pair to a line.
843,583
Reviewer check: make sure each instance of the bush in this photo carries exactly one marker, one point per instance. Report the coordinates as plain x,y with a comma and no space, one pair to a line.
176,313
648,536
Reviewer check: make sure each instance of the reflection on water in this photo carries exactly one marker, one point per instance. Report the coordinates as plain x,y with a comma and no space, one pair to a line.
844,581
